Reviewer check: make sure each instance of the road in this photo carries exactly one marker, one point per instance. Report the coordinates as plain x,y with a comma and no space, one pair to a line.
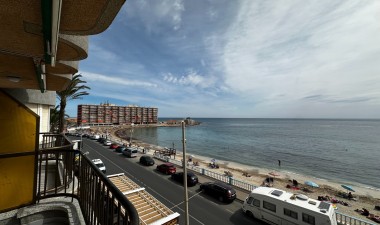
202,209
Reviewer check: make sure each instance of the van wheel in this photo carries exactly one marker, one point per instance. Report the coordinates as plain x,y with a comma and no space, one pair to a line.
249,214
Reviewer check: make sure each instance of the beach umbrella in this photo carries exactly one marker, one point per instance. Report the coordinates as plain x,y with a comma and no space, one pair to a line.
311,184
347,187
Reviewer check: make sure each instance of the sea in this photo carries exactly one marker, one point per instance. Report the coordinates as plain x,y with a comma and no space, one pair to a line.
341,150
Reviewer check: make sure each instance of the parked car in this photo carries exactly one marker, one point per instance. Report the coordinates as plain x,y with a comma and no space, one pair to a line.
114,146
101,140
99,163
223,192
107,143
146,160
130,152
120,149
166,168
192,179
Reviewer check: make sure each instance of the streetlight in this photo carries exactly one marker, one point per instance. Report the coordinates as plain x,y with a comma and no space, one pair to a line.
186,197
130,137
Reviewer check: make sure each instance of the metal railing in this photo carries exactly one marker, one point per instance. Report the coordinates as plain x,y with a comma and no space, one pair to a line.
343,219
63,171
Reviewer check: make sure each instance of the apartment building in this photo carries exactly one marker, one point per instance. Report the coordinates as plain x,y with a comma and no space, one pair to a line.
112,114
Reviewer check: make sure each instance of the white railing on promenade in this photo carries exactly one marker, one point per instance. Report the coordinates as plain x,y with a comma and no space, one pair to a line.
343,219
209,173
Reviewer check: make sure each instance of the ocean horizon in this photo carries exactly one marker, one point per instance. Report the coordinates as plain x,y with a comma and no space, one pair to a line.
340,150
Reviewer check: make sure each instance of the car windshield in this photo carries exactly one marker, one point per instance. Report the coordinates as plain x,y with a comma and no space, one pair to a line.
100,165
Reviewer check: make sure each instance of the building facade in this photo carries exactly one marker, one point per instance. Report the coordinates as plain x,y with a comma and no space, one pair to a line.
118,115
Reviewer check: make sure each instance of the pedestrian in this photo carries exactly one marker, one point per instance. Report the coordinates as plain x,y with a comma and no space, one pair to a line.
279,163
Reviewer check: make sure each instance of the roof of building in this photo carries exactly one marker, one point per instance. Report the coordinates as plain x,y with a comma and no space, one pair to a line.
150,210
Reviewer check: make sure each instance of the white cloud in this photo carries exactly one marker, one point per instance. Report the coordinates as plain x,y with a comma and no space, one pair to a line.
296,49
190,79
100,79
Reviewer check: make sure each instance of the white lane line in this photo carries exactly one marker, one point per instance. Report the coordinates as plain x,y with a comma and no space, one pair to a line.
146,185
229,211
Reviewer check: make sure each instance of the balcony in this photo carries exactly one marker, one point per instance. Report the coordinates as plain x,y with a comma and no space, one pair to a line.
66,179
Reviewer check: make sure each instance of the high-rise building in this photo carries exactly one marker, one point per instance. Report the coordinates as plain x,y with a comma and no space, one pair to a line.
112,114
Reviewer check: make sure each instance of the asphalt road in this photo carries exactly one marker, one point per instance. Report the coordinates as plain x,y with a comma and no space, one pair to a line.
202,208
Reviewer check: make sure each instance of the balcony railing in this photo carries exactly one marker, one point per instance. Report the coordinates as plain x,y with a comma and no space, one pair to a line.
63,171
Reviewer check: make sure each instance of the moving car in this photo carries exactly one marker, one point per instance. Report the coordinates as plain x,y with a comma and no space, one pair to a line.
166,168
120,149
146,160
192,179
99,163
223,192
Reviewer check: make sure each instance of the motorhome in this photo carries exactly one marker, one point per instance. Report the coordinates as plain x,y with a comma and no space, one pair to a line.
279,207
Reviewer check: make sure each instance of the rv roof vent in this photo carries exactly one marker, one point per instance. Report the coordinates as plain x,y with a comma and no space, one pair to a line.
302,197
324,205
277,193
312,202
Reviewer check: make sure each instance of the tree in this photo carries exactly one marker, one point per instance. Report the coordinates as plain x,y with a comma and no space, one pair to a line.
75,90
54,119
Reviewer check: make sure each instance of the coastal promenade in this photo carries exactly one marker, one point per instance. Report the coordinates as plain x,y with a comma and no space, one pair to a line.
244,183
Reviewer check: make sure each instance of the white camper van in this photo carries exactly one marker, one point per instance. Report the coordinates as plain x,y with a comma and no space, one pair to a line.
276,206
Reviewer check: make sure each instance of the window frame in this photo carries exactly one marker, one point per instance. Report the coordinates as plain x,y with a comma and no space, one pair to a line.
269,206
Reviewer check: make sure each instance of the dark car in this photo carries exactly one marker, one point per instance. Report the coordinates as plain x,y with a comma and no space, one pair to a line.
192,179
101,140
146,160
166,168
120,149
223,192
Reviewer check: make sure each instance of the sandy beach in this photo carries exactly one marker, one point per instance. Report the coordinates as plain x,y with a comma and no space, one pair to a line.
364,197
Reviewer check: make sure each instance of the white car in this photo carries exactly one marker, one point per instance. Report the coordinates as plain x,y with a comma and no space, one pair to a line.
107,142
99,163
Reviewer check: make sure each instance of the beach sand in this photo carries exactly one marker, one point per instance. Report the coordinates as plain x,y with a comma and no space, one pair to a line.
365,198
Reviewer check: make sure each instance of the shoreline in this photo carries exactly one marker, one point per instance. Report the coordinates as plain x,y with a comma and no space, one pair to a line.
368,197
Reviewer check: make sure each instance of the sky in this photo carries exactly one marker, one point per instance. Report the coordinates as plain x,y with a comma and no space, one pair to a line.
239,59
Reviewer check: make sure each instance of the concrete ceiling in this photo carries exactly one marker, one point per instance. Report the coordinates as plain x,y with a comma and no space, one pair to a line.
25,27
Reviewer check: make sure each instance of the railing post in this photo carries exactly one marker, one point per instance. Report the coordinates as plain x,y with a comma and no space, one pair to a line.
203,171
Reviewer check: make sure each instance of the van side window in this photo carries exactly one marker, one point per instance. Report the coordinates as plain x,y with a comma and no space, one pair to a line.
249,200
290,213
256,203
308,219
269,206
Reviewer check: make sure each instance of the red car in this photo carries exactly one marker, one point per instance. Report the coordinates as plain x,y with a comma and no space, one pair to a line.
167,168
114,146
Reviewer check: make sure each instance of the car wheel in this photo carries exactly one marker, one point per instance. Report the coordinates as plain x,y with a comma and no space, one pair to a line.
221,199
249,214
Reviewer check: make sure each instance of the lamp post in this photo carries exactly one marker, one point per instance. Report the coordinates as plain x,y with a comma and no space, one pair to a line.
130,137
185,174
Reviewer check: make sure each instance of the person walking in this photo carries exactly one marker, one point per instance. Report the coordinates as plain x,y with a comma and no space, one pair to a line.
279,163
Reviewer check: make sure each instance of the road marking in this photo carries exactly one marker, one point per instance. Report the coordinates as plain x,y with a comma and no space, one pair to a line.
229,211
146,185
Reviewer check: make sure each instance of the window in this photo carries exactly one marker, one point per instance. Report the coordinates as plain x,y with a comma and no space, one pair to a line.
290,213
308,219
269,206
256,203
249,200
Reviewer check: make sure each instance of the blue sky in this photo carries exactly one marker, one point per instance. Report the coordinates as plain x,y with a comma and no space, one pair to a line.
243,58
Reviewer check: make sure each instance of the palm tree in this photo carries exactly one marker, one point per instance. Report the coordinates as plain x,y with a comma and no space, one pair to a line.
54,119
75,90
